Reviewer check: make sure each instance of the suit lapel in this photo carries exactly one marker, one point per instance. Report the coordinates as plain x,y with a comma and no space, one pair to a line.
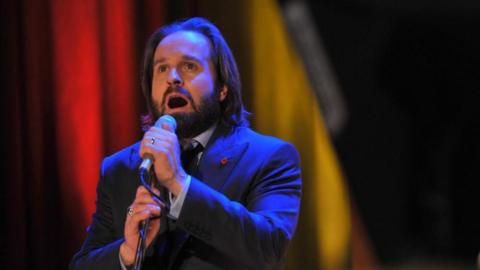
219,159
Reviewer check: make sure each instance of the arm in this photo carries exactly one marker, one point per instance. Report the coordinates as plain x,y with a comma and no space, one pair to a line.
113,235
255,232
101,248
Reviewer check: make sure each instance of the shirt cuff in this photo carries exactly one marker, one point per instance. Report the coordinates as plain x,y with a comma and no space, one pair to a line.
177,203
121,263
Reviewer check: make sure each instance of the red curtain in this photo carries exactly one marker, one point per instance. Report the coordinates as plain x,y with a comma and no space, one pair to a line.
70,96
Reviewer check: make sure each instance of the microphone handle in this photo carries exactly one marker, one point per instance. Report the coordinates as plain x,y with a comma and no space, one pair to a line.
144,169
141,246
142,239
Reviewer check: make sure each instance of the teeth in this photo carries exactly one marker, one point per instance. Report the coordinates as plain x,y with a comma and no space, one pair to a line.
176,102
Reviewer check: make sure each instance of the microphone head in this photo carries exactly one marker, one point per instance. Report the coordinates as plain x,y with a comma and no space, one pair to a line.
168,120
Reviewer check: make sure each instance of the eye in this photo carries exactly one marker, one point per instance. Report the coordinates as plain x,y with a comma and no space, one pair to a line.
162,68
190,66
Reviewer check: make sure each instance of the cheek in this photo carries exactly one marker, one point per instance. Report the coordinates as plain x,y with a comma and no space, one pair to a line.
156,97
202,86
157,90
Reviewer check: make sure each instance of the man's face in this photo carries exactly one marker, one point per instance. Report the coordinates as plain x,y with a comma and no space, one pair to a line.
184,82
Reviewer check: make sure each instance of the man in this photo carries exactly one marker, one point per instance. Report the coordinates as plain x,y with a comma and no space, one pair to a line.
238,205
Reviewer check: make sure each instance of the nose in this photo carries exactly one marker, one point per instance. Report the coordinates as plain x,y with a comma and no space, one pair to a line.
174,78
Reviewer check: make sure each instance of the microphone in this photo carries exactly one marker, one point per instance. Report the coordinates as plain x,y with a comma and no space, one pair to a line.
144,168
172,124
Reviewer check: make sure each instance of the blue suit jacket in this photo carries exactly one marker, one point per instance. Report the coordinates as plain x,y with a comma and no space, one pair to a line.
240,211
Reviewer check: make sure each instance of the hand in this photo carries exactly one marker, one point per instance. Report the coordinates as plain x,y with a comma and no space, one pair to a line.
162,145
143,207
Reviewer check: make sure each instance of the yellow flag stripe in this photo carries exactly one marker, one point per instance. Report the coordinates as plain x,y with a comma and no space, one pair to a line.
285,106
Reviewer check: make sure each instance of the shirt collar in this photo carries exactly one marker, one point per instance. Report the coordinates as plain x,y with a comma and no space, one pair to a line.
205,136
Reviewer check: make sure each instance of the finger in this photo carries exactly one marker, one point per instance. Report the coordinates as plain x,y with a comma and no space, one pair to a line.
149,135
140,202
158,133
167,126
139,208
146,198
166,142
143,196
143,212
155,137
142,192
156,150
149,212
161,130
152,137
159,202
162,146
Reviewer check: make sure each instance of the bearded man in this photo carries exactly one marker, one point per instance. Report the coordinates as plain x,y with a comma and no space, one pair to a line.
233,205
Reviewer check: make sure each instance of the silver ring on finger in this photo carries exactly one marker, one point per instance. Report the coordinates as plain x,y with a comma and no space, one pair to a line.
130,211
152,141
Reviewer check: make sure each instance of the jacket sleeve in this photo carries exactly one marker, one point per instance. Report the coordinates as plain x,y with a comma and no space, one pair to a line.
253,232
101,247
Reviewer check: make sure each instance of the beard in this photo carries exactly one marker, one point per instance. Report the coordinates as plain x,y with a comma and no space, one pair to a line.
191,124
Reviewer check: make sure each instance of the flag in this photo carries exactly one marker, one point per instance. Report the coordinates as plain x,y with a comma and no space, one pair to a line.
285,105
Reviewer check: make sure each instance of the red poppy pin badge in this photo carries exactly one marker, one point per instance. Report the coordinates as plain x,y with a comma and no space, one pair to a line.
223,161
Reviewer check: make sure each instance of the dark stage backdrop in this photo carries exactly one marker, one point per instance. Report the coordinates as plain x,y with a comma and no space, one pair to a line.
411,78
70,95
409,72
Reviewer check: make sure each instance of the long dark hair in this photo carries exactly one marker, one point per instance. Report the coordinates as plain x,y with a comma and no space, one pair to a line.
233,111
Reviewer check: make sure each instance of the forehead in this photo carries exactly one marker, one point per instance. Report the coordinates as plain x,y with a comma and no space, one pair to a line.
183,43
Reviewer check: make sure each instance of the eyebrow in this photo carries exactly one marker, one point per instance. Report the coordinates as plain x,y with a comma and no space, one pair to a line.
185,57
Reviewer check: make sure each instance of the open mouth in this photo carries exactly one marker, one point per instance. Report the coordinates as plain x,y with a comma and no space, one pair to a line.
176,102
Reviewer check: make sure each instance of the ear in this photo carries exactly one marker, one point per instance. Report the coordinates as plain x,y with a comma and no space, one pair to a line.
223,93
